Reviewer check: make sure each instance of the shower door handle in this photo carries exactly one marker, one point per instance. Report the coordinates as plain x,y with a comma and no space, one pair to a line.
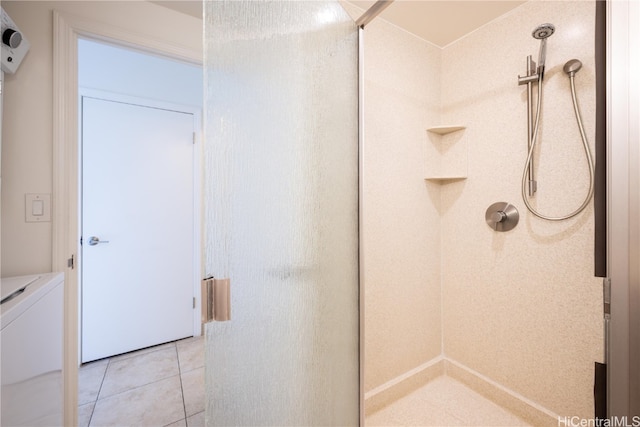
215,300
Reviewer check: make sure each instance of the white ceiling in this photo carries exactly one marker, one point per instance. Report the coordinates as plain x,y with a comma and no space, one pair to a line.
188,7
438,21
442,22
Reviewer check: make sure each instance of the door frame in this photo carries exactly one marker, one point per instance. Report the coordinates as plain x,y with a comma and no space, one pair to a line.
196,184
67,29
623,134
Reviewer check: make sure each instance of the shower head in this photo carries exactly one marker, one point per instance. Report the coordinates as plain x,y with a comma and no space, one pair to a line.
543,31
572,67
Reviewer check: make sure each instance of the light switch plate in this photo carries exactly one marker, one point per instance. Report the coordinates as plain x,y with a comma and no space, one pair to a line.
37,207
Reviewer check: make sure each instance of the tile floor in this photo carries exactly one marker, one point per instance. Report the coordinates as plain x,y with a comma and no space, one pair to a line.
164,386
443,402
157,386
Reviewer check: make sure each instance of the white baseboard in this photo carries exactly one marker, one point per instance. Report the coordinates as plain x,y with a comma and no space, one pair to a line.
402,385
530,411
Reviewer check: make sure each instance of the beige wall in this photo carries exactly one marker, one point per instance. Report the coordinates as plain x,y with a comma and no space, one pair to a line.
26,144
27,123
522,307
401,220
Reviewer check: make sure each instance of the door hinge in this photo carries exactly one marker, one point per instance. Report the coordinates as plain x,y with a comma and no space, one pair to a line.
606,297
71,262
194,137
194,302
215,300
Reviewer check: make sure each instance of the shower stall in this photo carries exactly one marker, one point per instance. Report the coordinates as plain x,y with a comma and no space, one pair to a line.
515,315
355,241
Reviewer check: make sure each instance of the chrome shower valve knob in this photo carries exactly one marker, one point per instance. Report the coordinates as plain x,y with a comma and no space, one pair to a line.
502,216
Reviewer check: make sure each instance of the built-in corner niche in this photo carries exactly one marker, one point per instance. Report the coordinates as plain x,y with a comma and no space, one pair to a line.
446,153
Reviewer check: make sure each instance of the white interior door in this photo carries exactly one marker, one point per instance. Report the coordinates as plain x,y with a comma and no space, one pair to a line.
138,202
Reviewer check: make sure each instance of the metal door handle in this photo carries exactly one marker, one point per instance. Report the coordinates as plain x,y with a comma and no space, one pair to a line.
93,240
216,300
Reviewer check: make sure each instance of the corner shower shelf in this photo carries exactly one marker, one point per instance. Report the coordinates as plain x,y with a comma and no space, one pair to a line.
444,179
448,157
443,130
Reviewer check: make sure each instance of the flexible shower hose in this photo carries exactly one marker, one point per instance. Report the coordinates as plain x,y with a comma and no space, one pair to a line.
587,152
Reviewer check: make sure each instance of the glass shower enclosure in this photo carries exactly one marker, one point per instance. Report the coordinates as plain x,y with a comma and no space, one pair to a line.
281,212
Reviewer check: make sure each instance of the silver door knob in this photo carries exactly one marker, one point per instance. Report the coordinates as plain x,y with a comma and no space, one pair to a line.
93,240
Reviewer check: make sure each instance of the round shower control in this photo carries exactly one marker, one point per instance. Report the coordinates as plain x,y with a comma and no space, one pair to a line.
502,216
11,38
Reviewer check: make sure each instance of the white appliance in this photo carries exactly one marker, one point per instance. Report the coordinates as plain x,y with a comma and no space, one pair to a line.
31,346
14,45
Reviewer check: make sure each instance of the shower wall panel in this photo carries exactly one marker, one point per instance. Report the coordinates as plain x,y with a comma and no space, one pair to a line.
522,307
401,220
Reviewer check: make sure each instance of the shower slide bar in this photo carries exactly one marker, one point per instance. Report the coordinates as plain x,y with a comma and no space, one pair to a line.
529,79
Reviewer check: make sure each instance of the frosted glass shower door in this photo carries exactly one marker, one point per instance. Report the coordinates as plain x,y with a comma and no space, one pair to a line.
281,212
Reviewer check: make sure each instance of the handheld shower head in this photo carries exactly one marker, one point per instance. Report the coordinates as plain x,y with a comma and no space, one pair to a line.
542,32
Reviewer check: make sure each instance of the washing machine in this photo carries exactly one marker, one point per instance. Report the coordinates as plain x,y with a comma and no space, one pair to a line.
31,346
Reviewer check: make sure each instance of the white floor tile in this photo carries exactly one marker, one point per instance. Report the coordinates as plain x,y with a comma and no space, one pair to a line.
146,368
193,389
84,414
191,353
156,404
90,377
135,383
144,351
196,420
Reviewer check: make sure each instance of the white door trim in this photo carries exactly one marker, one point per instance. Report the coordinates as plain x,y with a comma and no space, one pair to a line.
67,29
